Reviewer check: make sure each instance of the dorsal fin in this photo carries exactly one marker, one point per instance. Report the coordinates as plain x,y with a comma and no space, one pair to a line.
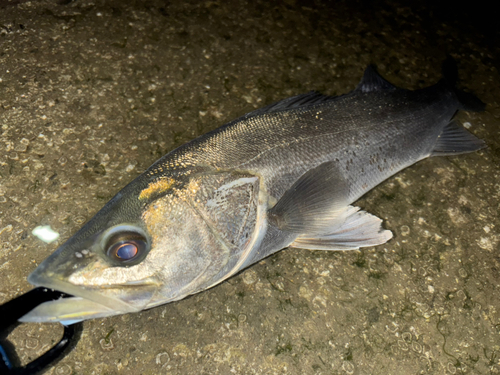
372,81
295,102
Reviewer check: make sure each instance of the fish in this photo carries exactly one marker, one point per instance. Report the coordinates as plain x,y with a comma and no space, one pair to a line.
283,176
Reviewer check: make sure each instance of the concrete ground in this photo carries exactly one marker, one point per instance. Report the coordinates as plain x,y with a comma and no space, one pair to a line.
93,92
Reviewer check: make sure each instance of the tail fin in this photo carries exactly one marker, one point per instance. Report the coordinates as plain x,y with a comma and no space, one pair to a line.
449,70
467,101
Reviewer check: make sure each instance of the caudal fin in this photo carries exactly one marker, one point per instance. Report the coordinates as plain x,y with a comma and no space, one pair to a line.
467,101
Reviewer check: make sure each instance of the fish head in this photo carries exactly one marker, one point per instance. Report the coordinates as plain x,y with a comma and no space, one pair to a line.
153,243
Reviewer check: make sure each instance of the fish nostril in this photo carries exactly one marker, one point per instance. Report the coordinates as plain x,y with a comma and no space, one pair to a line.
82,253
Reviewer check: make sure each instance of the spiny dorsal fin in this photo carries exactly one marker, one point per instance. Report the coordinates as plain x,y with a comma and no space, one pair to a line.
295,102
372,81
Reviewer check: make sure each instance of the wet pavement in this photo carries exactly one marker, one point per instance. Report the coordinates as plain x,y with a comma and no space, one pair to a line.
93,92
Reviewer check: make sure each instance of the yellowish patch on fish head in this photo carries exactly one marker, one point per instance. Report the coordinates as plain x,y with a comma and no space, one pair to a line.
157,187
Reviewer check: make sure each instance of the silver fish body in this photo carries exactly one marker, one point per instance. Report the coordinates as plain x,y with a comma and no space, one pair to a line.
284,175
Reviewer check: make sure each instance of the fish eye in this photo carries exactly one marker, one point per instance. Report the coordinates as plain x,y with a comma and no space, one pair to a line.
126,248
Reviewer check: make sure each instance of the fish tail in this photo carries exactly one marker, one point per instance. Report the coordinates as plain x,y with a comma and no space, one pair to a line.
449,70
466,100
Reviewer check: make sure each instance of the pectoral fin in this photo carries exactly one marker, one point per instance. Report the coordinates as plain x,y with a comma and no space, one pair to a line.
313,203
358,229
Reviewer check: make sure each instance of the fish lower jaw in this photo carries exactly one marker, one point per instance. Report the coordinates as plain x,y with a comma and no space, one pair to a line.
68,311
105,300
85,304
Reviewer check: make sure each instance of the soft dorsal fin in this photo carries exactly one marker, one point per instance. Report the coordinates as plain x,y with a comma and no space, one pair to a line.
295,102
372,81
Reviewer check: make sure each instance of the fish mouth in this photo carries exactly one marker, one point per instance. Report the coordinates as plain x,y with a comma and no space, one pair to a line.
88,303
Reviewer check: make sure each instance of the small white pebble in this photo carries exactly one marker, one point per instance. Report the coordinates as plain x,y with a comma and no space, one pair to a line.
467,125
78,255
430,288
45,233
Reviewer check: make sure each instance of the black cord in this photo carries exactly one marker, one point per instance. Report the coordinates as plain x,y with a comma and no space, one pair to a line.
14,309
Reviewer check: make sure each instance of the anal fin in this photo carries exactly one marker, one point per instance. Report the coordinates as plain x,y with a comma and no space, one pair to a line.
456,140
358,229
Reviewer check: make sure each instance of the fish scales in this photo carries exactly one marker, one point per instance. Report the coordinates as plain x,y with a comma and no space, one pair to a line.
281,146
